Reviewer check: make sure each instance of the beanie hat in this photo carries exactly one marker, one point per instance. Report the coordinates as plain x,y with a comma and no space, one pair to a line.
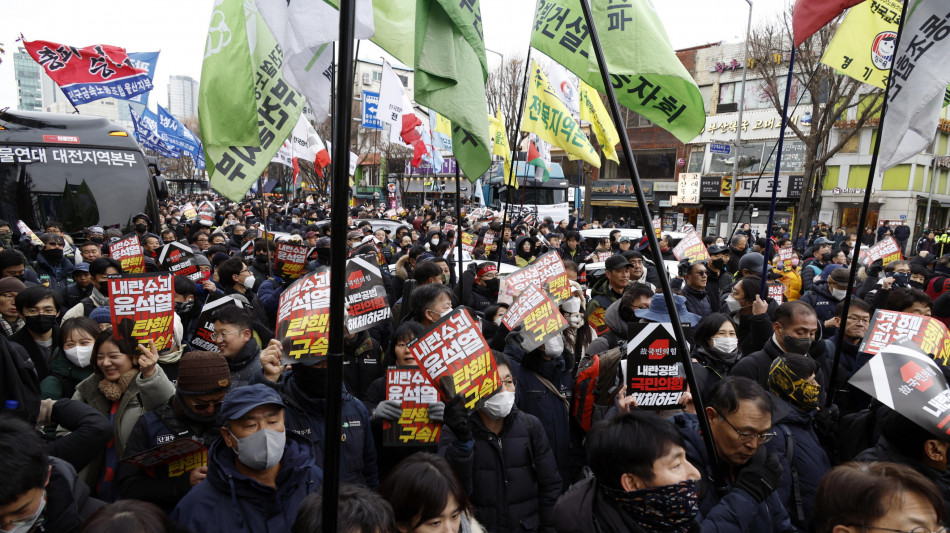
202,260
101,315
203,373
11,284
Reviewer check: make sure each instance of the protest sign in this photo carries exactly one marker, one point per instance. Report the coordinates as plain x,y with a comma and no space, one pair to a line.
546,273
468,242
455,358
365,294
785,254
178,259
658,227
409,386
25,230
201,339
143,308
128,252
910,383
777,292
596,321
290,260
888,327
540,316
206,213
487,240
247,251
303,317
655,376
886,250
691,248
180,456
189,212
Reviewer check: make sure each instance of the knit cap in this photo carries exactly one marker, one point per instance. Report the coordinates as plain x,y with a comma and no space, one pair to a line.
203,373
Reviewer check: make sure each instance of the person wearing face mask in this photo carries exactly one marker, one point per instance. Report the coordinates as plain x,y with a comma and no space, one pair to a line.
642,482
236,278
579,333
192,413
431,302
492,449
795,330
804,460
918,277
40,492
74,363
39,308
524,251
52,266
752,314
824,296
719,280
715,350
362,361
80,288
262,266
304,391
789,274
479,286
259,472
100,270
141,223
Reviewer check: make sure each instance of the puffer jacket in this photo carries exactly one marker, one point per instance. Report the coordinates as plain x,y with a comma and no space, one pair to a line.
601,296
820,299
804,461
227,500
511,478
699,302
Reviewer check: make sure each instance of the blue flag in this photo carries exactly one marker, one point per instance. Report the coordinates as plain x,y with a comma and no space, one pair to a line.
174,133
147,61
146,132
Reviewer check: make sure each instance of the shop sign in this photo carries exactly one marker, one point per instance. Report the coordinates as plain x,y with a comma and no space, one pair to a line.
756,124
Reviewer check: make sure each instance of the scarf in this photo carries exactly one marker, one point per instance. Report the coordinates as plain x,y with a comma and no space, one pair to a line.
113,390
670,508
171,357
788,385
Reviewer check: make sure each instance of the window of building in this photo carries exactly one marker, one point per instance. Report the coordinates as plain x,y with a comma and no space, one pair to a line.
696,160
377,75
851,145
659,164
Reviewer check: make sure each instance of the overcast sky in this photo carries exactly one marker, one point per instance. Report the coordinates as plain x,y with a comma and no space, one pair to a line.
178,29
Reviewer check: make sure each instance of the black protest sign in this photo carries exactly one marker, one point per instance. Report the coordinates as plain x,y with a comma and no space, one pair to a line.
178,259
202,338
655,374
365,294
409,387
303,318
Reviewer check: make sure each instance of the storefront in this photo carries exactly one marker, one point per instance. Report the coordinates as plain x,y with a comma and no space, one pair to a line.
752,203
616,199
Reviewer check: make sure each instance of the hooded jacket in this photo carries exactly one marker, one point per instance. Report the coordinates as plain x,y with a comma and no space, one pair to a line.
583,509
245,365
615,334
699,302
820,299
227,500
601,296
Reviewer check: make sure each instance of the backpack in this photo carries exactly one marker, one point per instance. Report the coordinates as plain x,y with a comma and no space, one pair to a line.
595,387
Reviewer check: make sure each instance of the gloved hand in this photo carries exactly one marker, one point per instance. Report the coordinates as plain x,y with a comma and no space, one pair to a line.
46,412
437,412
875,268
826,426
388,410
456,416
761,476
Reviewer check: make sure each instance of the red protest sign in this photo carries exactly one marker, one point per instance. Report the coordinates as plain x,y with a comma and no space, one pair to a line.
928,334
180,456
365,294
410,387
290,260
691,247
455,358
143,308
777,292
468,242
655,375
178,259
303,317
540,316
886,250
596,320
546,273
128,252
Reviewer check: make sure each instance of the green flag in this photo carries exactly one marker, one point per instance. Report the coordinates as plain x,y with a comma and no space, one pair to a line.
234,168
646,74
393,21
450,74
357,176
227,112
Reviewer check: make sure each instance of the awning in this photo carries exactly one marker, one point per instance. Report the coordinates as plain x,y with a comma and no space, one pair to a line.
615,203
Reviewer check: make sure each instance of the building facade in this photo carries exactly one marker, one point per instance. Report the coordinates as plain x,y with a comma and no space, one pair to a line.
28,81
182,97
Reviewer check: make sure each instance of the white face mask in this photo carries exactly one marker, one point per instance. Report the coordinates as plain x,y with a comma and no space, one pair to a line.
838,294
733,304
575,320
554,346
25,524
435,242
249,282
79,355
499,405
498,320
725,344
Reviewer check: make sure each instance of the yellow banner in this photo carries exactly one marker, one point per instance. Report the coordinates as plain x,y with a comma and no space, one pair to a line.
593,111
499,137
549,118
866,41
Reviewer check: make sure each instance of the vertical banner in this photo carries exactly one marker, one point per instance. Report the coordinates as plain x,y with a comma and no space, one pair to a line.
365,294
658,227
128,252
929,335
468,242
691,247
455,358
201,340
303,317
655,376
143,308
539,314
410,387
290,260
178,259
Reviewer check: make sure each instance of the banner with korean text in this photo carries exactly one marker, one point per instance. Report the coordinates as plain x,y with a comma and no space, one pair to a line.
889,327
539,314
290,260
303,317
178,259
410,387
691,247
128,252
655,376
366,299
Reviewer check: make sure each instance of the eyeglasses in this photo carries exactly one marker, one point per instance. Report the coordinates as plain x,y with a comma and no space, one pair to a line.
702,273
508,383
918,529
746,437
859,320
204,406
221,335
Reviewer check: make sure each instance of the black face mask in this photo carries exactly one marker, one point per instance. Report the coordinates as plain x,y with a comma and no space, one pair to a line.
141,228
491,287
97,240
917,285
184,307
313,381
40,324
260,259
718,264
104,288
53,256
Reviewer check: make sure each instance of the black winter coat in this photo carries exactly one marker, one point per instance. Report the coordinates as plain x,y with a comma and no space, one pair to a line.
820,299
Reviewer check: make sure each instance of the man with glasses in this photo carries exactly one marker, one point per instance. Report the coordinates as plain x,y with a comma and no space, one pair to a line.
740,419
192,413
847,398
698,301
234,335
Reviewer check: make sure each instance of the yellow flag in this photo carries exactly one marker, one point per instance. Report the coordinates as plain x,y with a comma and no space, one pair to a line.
549,118
593,111
864,45
496,130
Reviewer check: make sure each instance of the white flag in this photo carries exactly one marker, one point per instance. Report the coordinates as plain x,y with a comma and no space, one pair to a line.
393,99
566,88
284,155
305,32
301,139
920,78
354,159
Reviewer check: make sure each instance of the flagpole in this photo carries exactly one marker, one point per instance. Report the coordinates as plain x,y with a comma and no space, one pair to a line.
763,291
513,142
458,225
338,215
654,244
862,220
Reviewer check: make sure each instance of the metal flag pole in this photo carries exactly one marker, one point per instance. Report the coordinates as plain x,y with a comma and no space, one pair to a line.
458,224
512,142
654,244
778,166
338,213
735,157
863,218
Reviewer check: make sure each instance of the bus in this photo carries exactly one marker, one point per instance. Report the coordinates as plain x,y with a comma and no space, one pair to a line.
75,169
541,198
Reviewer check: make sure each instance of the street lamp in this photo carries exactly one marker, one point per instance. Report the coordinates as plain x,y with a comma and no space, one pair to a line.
735,156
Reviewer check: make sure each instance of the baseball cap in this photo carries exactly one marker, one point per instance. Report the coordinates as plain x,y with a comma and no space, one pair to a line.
616,262
310,234
821,241
81,267
242,400
715,249
624,239
751,261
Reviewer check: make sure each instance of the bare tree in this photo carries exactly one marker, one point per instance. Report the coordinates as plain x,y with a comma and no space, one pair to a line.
832,95
503,91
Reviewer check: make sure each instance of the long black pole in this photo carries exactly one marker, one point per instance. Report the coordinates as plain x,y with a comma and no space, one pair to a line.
654,244
512,140
778,166
340,199
458,224
863,219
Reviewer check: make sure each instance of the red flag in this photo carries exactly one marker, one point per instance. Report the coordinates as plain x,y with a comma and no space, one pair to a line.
411,136
535,159
296,170
90,73
810,16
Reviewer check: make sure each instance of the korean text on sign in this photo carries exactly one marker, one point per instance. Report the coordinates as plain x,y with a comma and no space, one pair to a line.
290,260
928,334
456,359
143,307
128,252
303,317
541,318
410,387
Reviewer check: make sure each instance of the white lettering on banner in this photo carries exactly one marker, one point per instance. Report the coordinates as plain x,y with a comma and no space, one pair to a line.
756,124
